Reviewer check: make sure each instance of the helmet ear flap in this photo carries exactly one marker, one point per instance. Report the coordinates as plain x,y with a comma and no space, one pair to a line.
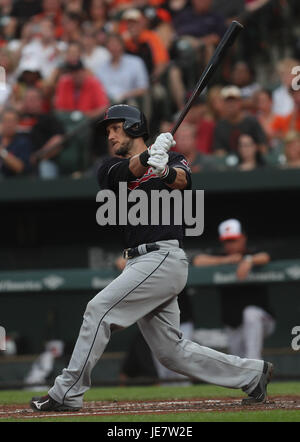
131,128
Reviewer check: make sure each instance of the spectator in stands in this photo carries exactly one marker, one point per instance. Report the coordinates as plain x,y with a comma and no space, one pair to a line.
141,41
45,132
199,25
166,78
72,55
248,153
203,123
283,124
98,14
186,140
235,122
292,149
231,10
52,9
245,308
259,18
8,24
215,103
79,90
27,34
42,49
30,76
282,101
71,25
264,113
159,19
15,149
75,7
243,76
93,55
23,11
124,76
6,7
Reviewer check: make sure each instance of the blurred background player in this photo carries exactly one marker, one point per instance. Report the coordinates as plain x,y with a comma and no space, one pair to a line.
43,366
245,308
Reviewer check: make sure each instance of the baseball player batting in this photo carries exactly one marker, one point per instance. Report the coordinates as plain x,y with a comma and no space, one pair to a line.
147,289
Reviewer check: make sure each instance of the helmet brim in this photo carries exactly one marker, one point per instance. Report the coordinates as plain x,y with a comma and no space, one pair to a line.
102,125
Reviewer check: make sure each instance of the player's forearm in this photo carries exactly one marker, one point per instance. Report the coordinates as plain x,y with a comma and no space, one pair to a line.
208,260
260,259
11,161
138,165
180,180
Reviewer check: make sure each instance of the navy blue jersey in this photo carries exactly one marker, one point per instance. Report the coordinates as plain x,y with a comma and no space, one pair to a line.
116,170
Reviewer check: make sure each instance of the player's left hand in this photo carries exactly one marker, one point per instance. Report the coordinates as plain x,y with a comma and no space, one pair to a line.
243,269
163,142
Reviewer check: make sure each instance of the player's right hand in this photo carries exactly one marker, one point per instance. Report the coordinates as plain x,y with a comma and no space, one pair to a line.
159,163
163,142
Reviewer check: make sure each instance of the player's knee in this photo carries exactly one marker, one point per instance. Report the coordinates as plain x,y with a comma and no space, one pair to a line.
166,357
94,309
251,314
90,307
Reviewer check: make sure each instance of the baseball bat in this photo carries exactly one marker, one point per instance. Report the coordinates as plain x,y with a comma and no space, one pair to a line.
227,41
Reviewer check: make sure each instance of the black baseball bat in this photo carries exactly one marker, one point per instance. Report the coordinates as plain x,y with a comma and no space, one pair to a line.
227,41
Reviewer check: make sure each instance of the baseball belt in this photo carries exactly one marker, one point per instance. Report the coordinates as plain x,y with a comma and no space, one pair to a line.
140,250
143,249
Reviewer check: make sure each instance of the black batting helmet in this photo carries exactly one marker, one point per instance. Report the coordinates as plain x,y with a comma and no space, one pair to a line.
135,123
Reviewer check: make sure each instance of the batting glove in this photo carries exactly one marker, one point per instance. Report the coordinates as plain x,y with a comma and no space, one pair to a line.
163,142
159,163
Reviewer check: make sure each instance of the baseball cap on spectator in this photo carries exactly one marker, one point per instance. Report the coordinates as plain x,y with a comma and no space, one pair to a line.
132,14
231,92
230,229
32,65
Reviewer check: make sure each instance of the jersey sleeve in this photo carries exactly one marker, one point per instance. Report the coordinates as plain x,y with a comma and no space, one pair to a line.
113,171
177,160
254,250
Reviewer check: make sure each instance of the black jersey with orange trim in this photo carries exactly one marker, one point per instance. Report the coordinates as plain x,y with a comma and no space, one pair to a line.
116,170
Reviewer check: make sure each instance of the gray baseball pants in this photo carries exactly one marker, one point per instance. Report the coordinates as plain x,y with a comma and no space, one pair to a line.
146,293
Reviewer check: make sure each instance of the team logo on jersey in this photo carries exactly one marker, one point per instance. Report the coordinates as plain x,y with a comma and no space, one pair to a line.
186,165
146,177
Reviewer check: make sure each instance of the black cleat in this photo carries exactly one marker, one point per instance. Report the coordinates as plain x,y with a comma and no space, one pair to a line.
46,403
259,394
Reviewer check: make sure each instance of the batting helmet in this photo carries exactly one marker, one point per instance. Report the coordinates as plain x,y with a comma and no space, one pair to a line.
135,123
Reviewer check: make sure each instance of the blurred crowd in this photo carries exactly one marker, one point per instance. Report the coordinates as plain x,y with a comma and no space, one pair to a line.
65,62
